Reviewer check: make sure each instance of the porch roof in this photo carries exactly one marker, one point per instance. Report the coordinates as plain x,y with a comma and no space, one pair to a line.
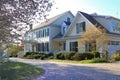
66,38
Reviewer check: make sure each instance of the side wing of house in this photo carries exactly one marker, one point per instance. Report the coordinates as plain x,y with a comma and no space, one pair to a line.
79,25
113,26
83,22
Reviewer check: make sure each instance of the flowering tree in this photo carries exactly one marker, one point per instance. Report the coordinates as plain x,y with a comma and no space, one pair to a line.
17,15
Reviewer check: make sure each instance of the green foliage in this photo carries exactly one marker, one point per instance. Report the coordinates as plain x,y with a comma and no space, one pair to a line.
73,56
116,56
36,55
13,50
19,71
50,55
117,53
96,54
65,55
59,55
95,60
83,56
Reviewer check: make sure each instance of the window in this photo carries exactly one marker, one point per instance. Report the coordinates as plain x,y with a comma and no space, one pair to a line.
114,43
113,24
42,47
80,27
115,27
46,46
40,33
74,46
64,46
47,31
68,19
37,34
43,33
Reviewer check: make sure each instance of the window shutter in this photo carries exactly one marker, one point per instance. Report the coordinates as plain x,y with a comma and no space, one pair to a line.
77,28
83,25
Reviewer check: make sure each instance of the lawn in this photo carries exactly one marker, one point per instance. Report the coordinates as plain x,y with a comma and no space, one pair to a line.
19,71
95,60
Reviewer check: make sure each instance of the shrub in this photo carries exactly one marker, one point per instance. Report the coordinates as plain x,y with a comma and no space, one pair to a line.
116,56
96,54
117,53
83,56
65,55
99,60
50,54
59,55
95,60
35,55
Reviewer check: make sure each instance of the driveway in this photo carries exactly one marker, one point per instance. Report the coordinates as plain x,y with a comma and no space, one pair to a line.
70,71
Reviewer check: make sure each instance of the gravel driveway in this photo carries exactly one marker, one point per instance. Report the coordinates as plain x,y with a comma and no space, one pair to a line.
70,71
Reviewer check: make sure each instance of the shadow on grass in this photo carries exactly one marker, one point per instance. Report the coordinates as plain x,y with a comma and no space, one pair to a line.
19,71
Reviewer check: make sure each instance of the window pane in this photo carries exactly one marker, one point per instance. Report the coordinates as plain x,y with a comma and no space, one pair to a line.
74,46
47,31
80,27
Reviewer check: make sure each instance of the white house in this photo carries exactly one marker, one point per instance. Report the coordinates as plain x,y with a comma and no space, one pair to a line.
61,33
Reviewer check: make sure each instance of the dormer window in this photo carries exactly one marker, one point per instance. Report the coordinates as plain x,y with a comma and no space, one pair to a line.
115,27
67,22
80,27
63,28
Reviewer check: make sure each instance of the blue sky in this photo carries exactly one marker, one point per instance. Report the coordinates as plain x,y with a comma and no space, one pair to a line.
102,7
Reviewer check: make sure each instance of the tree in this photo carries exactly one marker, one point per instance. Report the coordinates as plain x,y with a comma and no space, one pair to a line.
14,49
95,38
17,15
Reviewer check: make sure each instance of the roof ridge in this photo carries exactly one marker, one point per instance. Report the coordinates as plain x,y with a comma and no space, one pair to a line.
50,20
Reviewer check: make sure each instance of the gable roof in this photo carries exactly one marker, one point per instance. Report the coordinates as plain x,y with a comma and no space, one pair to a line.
51,20
96,23
93,21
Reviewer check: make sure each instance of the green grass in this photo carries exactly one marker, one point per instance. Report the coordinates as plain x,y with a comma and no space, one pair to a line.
95,60
19,71
64,61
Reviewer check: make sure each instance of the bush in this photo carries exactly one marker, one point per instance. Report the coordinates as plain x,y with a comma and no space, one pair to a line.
83,56
95,60
116,56
99,60
117,53
35,55
96,54
65,55
59,55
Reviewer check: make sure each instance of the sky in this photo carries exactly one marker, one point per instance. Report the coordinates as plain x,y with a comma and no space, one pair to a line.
101,7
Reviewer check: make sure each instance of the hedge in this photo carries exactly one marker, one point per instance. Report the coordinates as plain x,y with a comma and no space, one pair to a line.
36,55
83,56
74,55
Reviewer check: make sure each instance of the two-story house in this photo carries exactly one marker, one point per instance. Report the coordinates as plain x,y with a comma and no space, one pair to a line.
61,33
40,38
